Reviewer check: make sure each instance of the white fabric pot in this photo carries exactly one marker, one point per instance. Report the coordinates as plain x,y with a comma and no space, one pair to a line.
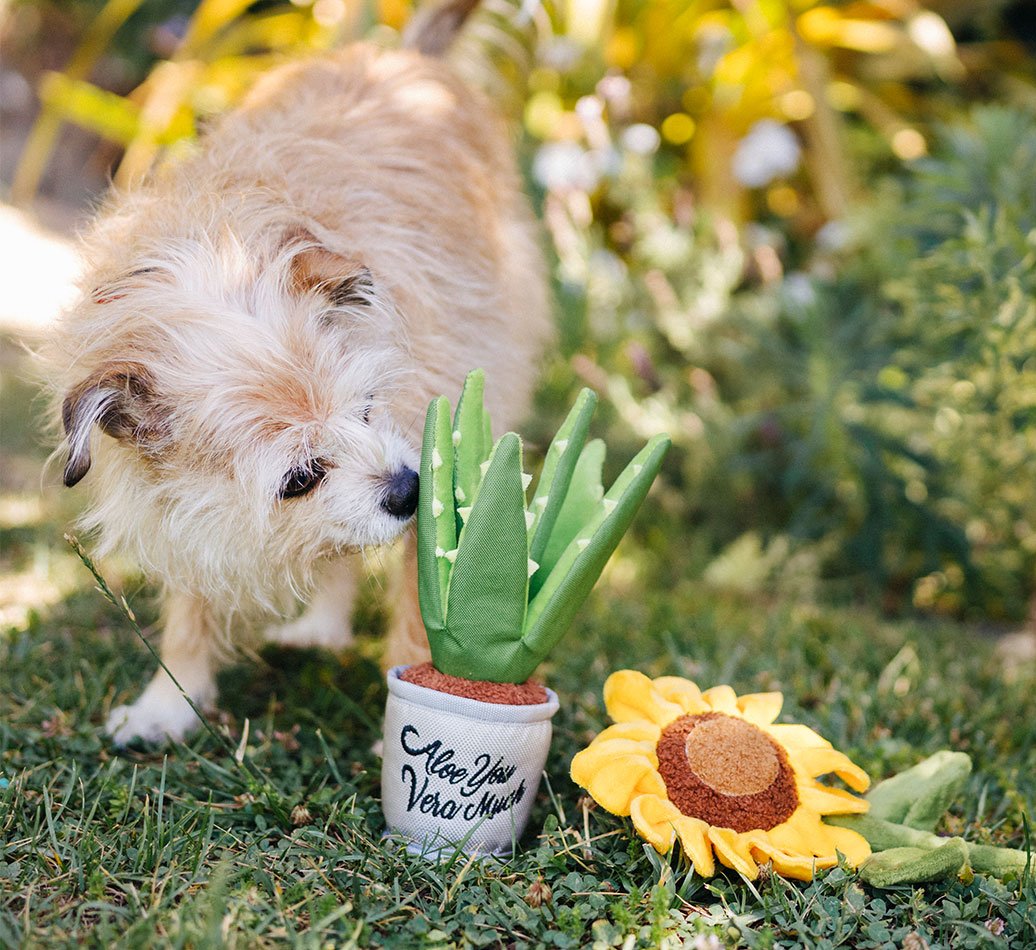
460,772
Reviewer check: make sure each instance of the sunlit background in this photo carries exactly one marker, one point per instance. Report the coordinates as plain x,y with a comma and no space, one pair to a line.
799,236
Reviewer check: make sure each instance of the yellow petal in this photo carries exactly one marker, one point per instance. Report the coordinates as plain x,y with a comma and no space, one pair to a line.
629,696
722,699
615,782
795,865
637,731
794,736
853,845
683,692
793,836
812,834
653,817
694,838
604,750
830,801
733,850
761,708
818,761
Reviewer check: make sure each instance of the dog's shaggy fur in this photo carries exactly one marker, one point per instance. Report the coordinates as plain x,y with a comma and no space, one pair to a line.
283,302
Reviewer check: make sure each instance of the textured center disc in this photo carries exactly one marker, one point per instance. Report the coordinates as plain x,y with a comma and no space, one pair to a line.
731,756
726,772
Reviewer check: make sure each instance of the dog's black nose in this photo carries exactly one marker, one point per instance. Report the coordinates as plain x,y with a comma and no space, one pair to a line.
400,499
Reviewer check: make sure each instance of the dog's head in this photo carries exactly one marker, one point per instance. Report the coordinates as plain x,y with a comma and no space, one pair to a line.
239,415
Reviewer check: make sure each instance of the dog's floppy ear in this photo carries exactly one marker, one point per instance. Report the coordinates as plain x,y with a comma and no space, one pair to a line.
343,280
118,398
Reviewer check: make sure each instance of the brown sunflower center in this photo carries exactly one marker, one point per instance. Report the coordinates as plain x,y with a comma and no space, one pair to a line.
726,772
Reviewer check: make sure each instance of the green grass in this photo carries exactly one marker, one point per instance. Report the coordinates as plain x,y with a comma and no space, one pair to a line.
186,847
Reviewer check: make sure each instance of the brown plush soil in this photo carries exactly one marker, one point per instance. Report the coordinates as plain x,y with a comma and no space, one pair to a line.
726,772
511,694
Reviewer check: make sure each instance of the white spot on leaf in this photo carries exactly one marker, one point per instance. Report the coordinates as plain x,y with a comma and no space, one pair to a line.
533,567
610,504
464,512
437,507
529,519
436,460
456,437
581,543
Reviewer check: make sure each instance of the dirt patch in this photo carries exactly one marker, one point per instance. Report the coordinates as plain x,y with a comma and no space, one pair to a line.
528,693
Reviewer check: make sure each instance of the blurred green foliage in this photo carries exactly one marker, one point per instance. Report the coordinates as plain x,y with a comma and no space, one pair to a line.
754,251
869,420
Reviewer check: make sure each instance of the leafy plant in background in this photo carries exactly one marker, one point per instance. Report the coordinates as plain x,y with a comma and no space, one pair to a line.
865,421
885,417
958,262
500,580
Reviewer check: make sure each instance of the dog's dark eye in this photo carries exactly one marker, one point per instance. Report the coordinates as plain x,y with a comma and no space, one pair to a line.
302,480
368,409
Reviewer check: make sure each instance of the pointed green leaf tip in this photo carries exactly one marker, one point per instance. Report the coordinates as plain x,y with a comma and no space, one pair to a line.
500,582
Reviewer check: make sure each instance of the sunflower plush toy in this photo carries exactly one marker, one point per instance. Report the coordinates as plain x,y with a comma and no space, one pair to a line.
715,773
712,770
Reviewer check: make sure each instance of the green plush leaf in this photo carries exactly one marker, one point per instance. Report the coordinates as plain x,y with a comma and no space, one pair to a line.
882,835
886,836
558,466
920,796
487,433
916,865
582,502
570,582
999,862
471,450
436,524
488,593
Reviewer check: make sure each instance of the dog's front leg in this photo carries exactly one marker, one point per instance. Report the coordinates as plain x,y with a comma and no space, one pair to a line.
188,652
407,641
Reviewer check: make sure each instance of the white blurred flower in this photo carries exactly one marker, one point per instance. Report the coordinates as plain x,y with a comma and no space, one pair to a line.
707,942
769,151
834,236
615,89
798,290
589,108
641,139
560,53
563,166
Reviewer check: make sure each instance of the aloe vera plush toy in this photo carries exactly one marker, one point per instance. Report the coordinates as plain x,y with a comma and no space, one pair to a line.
500,578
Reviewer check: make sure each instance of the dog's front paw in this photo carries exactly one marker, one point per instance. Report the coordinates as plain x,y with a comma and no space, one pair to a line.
158,716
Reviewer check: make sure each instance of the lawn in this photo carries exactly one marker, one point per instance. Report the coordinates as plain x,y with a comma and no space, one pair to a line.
277,839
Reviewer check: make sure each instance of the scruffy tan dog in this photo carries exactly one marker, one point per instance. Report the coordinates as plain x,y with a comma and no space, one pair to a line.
262,325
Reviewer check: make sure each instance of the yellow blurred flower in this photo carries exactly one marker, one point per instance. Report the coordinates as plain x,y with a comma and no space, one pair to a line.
712,770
